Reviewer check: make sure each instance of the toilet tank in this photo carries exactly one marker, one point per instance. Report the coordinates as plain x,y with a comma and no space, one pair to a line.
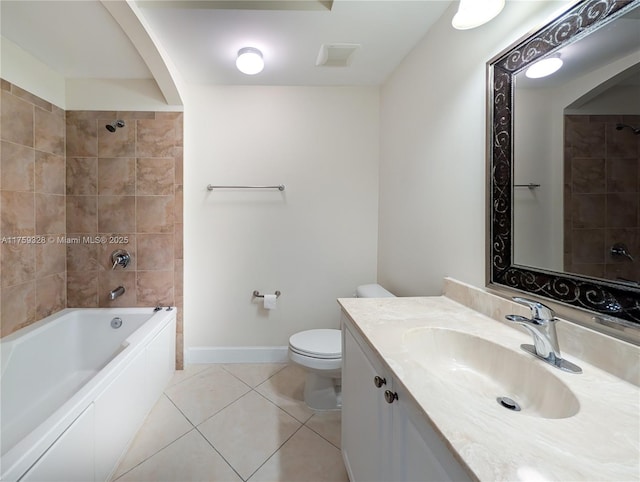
372,291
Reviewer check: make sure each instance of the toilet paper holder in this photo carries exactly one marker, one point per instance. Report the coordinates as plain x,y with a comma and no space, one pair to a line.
257,294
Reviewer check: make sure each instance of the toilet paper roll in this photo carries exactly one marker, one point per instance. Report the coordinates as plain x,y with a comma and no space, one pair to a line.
270,302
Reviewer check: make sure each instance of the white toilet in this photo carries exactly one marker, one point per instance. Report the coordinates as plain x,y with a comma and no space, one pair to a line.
320,353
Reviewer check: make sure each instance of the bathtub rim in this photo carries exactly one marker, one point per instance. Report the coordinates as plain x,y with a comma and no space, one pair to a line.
25,453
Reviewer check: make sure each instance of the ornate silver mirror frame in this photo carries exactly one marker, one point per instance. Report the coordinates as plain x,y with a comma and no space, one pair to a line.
610,299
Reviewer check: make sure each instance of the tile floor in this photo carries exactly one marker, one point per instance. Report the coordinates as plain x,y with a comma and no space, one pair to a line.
235,422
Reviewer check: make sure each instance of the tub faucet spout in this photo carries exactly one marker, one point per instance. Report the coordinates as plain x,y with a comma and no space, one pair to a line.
113,294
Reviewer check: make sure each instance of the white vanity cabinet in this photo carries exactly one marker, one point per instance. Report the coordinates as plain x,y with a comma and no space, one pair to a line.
385,437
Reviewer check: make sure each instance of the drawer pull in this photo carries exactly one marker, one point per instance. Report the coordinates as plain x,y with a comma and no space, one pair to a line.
390,396
379,381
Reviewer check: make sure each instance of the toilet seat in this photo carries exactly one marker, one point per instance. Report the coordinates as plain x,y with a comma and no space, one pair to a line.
324,344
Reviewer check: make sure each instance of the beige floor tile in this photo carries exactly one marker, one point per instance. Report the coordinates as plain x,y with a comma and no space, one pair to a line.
328,425
163,425
189,371
253,374
304,457
207,392
189,459
286,389
248,432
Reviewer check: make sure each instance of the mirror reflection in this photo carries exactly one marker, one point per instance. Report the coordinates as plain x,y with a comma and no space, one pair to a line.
576,174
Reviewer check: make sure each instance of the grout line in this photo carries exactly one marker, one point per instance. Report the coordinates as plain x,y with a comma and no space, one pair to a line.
219,453
275,452
153,455
322,436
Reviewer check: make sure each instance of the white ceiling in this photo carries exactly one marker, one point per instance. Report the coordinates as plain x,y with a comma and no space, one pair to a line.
80,39
77,39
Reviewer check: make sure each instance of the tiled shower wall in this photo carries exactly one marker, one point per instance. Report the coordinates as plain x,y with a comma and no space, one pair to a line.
124,191
86,192
32,208
602,196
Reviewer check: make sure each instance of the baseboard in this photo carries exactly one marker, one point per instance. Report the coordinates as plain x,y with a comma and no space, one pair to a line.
236,354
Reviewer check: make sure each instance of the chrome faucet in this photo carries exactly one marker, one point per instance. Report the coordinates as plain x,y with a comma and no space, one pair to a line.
113,294
542,326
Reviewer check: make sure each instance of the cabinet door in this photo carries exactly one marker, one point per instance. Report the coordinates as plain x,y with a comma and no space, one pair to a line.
70,458
366,417
419,454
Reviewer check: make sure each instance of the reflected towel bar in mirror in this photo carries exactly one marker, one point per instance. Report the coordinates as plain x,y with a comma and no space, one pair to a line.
530,185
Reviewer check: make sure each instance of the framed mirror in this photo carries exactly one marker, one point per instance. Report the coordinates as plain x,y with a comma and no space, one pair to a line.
564,200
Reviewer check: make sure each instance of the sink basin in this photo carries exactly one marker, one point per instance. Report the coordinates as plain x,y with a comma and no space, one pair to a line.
468,366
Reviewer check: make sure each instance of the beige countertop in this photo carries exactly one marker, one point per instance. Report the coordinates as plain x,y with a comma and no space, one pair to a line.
599,442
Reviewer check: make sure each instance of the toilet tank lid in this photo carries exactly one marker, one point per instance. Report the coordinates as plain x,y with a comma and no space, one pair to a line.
373,291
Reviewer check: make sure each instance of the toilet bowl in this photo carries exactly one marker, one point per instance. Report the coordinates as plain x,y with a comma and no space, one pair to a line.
319,352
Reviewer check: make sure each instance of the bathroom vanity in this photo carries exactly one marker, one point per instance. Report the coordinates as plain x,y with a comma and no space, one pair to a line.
422,385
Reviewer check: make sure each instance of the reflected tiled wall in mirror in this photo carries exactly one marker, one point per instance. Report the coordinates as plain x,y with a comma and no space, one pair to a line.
602,196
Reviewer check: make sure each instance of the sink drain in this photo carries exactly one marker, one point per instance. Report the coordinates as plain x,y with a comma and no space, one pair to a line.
506,402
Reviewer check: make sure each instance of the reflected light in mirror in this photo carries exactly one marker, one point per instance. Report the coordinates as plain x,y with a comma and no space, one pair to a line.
473,13
544,68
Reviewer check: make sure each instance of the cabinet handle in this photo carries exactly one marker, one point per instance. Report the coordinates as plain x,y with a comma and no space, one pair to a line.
390,396
379,381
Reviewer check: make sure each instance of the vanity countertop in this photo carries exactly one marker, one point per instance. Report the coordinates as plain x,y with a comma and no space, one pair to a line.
600,442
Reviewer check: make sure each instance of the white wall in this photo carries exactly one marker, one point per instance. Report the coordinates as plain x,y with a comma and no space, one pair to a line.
314,242
433,148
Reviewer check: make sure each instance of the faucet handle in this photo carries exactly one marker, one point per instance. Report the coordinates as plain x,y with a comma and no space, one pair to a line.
120,257
539,311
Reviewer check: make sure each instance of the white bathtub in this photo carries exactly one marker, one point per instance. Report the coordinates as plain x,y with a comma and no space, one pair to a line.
74,390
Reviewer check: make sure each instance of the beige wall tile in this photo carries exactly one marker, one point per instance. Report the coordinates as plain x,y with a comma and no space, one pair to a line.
50,258
156,138
49,132
82,134
16,121
155,176
155,252
18,306
120,143
50,213
50,174
50,295
155,287
81,257
82,175
18,213
82,214
18,263
117,176
116,214
18,167
82,289
155,214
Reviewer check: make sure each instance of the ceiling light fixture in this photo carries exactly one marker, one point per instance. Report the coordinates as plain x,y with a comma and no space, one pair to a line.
473,13
250,61
544,67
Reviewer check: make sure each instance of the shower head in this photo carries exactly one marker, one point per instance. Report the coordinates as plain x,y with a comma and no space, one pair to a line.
636,130
112,127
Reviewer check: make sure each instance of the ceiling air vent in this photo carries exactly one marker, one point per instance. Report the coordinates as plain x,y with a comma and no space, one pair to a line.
336,55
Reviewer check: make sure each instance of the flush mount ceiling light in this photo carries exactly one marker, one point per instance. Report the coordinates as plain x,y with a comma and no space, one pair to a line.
544,67
250,61
473,13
